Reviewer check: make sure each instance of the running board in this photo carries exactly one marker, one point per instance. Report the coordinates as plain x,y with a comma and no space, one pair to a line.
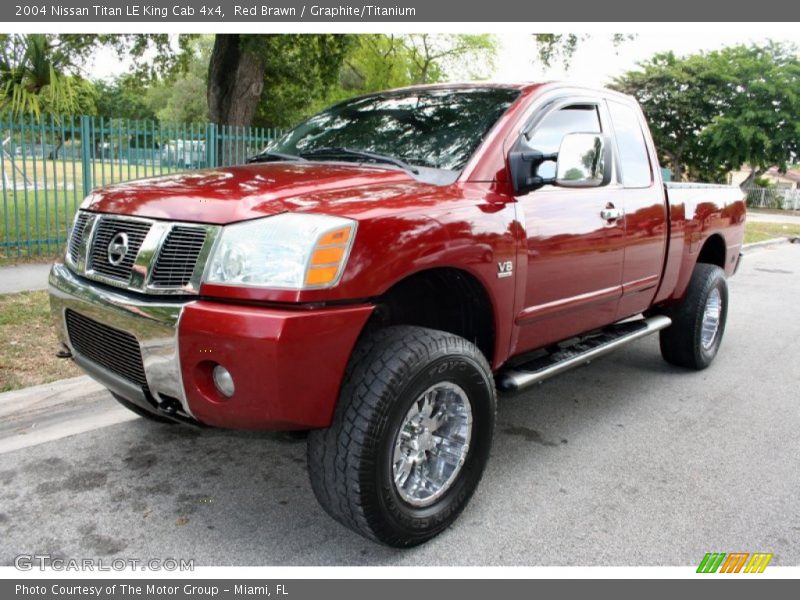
583,352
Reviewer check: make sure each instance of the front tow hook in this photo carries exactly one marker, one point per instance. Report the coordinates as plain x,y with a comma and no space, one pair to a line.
169,407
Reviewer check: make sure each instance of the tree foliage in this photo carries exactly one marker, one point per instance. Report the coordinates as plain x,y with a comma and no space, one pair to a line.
436,57
262,80
376,62
152,55
43,73
181,97
299,71
36,76
561,47
303,73
123,98
713,112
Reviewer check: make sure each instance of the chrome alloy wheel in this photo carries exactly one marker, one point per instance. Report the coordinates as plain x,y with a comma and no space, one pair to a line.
432,444
711,317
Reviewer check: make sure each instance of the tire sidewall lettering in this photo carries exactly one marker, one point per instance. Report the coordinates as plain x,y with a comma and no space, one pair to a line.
466,373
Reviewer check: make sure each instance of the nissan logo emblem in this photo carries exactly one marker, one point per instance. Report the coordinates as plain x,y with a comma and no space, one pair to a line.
117,248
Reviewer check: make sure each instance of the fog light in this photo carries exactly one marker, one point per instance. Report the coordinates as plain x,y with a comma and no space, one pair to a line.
223,381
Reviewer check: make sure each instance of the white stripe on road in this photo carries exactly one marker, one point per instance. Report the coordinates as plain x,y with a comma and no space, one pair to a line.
33,436
53,411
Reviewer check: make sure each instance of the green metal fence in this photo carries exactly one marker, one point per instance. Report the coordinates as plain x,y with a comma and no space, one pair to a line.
49,165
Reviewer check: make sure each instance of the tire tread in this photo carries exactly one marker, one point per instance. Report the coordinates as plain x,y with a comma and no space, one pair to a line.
339,457
679,342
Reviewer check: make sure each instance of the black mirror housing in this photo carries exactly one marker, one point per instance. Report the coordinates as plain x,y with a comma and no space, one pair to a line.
523,165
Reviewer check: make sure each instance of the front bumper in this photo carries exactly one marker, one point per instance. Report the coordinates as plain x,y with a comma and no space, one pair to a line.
287,365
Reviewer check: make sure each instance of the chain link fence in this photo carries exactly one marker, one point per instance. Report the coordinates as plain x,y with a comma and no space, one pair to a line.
772,197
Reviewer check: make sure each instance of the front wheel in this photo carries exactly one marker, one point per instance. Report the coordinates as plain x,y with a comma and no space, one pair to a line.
698,322
410,437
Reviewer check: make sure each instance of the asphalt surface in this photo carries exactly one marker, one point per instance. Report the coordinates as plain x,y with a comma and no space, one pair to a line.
628,461
23,278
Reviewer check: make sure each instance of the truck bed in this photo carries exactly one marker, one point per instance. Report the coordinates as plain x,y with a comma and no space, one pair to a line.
699,211
694,194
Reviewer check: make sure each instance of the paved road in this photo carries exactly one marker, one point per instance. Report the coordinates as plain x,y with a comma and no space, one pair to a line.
625,462
21,278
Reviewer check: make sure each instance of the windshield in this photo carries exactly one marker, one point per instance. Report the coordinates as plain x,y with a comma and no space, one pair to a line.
431,128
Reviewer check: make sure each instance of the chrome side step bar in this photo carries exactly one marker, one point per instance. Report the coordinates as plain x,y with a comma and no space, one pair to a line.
583,352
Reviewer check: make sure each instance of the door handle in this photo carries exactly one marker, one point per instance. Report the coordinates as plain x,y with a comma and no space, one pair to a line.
611,213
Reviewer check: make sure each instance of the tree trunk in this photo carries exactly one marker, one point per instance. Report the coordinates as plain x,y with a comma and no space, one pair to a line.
677,170
59,144
748,181
675,165
235,83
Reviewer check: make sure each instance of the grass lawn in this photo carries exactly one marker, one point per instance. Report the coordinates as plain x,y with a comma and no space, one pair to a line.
28,343
34,222
773,211
13,260
760,232
68,173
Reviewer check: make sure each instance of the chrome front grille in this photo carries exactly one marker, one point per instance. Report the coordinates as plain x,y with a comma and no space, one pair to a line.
75,241
107,231
178,257
159,257
115,350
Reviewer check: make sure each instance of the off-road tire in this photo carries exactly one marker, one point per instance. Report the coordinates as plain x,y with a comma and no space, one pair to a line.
350,463
681,342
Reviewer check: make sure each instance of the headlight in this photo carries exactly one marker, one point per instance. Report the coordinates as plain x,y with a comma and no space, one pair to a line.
290,250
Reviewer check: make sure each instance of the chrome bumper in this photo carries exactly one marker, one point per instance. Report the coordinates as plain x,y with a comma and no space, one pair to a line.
154,323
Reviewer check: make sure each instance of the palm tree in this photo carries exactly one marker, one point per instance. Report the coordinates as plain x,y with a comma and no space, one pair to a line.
36,77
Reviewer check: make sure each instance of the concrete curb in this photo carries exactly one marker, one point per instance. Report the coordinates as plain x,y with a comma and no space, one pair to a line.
765,244
44,413
62,390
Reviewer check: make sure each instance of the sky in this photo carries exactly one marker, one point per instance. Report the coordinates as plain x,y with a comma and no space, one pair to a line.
595,63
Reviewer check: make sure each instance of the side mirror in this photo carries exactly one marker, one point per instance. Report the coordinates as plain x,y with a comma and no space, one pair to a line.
584,160
523,165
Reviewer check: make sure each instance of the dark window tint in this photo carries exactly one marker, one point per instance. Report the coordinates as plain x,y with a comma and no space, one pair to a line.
432,128
634,163
548,134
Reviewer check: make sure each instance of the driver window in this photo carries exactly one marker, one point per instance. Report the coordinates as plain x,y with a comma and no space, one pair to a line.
546,138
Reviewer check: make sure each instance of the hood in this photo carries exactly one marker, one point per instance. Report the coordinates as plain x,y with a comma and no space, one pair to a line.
226,195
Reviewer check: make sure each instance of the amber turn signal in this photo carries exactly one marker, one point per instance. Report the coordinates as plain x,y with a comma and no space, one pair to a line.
328,258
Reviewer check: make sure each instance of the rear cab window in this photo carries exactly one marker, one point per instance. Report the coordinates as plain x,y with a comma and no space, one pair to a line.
634,160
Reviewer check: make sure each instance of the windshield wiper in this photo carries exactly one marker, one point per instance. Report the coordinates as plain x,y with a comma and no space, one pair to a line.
269,156
365,154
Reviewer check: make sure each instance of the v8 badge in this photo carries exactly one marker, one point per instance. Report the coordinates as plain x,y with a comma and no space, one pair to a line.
505,269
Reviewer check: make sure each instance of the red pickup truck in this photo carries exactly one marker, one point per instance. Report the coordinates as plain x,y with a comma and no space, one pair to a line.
377,273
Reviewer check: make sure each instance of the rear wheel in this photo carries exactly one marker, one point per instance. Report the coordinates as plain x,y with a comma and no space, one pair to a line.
698,322
410,437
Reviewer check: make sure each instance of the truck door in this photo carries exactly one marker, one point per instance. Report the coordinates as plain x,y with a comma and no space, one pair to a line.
575,238
644,202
